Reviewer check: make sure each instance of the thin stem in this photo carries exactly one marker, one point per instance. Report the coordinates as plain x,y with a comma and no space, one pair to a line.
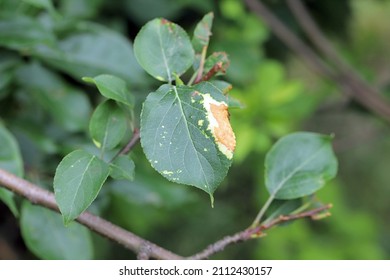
289,38
102,150
351,84
314,33
362,91
285,218
144,248
129,146
262,211
302,208
217,67
201,65
255,232
193,77
42,197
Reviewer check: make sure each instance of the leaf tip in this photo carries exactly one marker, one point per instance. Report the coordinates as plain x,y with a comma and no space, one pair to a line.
165,21
97,143
212,200
67,220
88,80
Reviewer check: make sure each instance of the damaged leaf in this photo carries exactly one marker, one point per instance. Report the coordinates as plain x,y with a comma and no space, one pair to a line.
186,134
218,62
202,33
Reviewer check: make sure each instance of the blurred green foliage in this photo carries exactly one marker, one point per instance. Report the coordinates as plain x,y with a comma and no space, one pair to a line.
45,51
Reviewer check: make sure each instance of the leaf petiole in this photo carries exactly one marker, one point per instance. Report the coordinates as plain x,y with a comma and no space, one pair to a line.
262,211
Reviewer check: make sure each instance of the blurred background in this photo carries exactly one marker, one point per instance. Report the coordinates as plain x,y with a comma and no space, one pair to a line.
280,94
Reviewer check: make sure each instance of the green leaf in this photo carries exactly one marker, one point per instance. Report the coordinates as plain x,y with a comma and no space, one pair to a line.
91,52
122,168
7,197
147,190
113,88
219,61
282,207
180,137
163,49
23,33
8,61
108,125
45,4
223,86
80,8
67,105
299,164
77,182
47,237
202,33
11,161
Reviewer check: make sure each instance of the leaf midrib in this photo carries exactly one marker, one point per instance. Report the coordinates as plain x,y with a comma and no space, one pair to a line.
280,186
164,55
79,185
189,135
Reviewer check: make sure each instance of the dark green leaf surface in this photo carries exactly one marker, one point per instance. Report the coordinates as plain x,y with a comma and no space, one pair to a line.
92,52
8,61
45,4
47,237
122,168
282,207
113,88
299,164
11,161
23,33
219,60
177,139
7,197
80,8
77,182
163,49
67,105
108,125
202,33
146,190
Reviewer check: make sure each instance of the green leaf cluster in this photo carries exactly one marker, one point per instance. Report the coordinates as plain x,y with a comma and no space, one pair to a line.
50,55
178,131
80,175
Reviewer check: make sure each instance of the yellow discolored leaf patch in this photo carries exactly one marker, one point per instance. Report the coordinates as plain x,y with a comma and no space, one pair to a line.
219,125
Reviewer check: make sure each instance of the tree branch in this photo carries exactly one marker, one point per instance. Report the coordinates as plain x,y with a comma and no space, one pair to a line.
220,245
363,91
99,225
143,248
350,83
289,38
257,232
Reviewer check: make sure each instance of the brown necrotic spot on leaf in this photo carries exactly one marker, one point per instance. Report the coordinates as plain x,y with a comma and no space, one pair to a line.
168,23
219,125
